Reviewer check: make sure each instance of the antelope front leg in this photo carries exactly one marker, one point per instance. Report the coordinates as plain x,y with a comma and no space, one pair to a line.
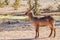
51,32
37,32
51,28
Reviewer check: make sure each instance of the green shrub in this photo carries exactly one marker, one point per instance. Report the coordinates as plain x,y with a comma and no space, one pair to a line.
16,4
6,2
26,19
1,4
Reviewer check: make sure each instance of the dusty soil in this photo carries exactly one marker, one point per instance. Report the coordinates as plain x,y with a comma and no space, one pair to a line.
29,34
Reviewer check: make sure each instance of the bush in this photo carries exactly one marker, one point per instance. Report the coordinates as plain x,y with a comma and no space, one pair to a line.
16,4
1,4
26,19
6,2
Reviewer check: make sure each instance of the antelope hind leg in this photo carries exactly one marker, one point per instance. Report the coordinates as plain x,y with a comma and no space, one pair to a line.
54,32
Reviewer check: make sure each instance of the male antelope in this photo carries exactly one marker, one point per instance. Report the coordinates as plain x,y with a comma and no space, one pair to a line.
46,21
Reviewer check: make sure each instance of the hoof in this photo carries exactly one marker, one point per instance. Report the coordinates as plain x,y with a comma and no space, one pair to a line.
53,36
36,37
49,36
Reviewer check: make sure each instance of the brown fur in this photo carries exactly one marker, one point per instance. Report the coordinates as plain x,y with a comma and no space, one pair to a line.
46,21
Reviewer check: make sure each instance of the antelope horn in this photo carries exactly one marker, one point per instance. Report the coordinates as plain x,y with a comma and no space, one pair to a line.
30,9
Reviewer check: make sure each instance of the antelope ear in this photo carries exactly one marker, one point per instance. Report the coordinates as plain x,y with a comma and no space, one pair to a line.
26,13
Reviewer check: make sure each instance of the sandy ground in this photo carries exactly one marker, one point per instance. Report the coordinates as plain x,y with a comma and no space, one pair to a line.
29,35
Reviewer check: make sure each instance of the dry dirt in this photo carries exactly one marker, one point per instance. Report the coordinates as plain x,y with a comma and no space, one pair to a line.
29,35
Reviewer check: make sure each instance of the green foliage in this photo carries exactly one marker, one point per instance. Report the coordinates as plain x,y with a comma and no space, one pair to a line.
1,4
36,9
26,19
16,4
6,2
29,3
